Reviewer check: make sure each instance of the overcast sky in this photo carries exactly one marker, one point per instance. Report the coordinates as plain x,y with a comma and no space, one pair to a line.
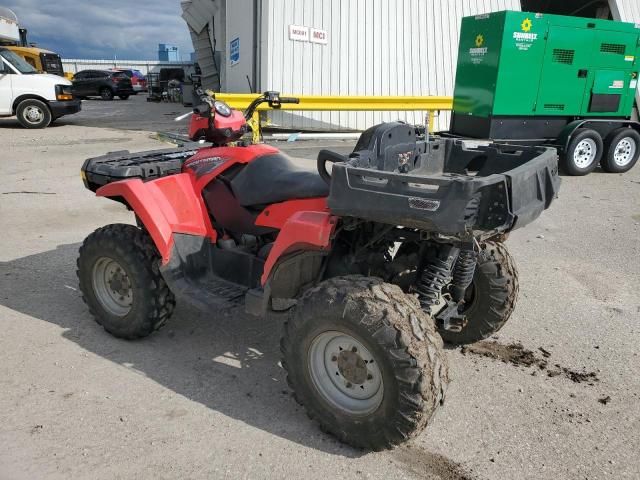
129,29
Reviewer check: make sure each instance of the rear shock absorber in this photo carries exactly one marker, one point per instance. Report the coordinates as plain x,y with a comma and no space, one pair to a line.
463,272
435,275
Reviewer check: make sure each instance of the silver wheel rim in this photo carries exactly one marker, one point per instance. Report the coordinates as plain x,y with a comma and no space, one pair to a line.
624,152
33,114
112,286
345,373
585,153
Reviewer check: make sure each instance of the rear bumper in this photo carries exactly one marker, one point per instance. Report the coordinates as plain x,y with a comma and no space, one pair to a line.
68,107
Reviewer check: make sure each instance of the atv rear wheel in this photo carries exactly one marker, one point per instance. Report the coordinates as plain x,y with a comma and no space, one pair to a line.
490,299
121,283
365,361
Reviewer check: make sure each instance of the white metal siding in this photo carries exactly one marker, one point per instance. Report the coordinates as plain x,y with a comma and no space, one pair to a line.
627,11
376,47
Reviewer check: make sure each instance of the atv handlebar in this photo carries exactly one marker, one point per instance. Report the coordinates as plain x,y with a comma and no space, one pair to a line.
274,100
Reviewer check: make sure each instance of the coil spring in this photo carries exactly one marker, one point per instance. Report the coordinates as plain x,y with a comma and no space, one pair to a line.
463,272
434,277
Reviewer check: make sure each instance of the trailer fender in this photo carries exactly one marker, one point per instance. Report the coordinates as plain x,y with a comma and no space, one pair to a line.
165,206
303,231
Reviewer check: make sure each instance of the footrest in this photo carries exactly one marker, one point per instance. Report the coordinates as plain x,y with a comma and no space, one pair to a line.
209,292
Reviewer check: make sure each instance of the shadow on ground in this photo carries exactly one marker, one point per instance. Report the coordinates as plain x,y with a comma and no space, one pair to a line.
227,361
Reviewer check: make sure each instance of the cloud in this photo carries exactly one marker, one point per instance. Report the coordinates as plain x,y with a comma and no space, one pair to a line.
128,29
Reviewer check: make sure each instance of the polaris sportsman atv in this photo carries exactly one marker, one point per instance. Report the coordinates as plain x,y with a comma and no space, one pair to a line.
400,245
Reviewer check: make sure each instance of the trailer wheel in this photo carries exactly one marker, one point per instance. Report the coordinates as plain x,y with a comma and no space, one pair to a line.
583,152
121,283
365,361
622,150
33,113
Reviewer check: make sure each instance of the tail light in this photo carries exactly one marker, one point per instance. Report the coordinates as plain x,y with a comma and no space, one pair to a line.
116,79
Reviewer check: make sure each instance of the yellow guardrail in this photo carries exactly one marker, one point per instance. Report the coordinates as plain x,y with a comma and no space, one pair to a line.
321,103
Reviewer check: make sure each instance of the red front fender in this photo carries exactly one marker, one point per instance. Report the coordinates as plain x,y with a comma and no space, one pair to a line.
303,231
165,206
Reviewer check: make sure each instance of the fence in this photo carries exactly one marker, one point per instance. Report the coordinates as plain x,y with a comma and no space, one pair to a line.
73,65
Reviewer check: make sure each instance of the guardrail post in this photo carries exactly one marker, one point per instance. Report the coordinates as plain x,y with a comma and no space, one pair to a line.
256,127
431,121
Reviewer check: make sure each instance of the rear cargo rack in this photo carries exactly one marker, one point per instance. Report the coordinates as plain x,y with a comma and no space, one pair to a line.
448,189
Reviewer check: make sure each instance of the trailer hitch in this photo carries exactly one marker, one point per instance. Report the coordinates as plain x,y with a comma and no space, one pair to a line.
449,318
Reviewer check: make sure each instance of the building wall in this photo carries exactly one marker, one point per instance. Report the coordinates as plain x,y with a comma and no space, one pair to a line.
168,53
627,11
241,29
375,47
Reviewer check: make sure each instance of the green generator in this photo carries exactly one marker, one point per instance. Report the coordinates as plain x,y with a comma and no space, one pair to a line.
564,81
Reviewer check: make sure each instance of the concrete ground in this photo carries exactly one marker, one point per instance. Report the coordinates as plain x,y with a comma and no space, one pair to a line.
205,397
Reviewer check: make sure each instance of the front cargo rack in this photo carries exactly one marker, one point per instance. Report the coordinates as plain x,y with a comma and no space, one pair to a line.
121,165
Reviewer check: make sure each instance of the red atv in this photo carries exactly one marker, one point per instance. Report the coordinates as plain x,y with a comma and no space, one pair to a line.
400,245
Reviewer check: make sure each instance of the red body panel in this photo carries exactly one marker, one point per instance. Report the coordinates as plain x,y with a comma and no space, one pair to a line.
197,126
165,206
303,231
235,121
278,214
174,204
222,129
228,157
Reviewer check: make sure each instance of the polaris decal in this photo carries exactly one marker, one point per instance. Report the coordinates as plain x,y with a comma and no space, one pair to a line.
202,166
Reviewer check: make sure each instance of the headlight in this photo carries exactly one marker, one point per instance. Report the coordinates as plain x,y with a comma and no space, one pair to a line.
63,92
222,108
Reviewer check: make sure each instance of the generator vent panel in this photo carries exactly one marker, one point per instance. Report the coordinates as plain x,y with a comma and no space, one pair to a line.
615,48
562,55
554,106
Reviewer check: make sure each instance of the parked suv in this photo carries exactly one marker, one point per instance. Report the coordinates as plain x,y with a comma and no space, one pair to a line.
138,80
102,83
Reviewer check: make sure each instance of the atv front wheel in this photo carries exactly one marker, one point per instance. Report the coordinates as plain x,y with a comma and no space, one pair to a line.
365,361
490,299
121,283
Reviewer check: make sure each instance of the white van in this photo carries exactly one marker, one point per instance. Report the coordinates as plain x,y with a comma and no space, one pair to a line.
35,98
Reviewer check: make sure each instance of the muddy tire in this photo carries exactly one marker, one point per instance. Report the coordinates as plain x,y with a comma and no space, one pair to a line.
491,297
120,281
365,361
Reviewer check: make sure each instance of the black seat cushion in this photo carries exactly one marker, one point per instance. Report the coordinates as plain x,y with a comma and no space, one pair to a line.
274,178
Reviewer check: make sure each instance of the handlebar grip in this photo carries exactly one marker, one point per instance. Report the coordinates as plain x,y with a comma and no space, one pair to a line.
289,100
201,109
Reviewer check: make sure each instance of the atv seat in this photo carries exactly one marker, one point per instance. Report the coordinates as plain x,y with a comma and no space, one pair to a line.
274,178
